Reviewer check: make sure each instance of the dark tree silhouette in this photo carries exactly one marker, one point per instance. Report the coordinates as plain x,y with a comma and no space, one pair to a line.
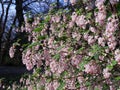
19,12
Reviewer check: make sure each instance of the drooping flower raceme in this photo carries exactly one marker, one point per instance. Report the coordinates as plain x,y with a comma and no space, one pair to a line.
12,51
101,14
117,55
111,27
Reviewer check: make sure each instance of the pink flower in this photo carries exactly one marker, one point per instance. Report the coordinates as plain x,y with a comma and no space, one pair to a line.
49,86
107,50
71,24
73,2
112,45
100,17
70,83
81,22
55,19
80,79
101,41
117,51
99,3
101,14
106,73
12,51
92,68
92,29
101,57
85,36
29,66
114,1
53,66
117,58
55,84
74,16
91,40
76,60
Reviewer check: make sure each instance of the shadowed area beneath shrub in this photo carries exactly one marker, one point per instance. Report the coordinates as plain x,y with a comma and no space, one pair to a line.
10,71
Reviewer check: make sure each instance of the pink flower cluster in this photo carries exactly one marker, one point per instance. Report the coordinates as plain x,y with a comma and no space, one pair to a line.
12,51
79,20
101,41
55,19
117,55
106,73
89,38
52,85
58,67
70,84
92,68
113,2
109,33
100,16
76,60
30,59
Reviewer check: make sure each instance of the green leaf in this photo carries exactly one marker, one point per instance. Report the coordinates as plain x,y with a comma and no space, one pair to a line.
47,19
114,62
117,78
96,49
88,83
49,80
65,73
82,64
61,86
42,37
33,44
96,56
89,15
59,48
110,67
118,9
77,84
56,56
96,88
64,38
80,50
79,11
38,29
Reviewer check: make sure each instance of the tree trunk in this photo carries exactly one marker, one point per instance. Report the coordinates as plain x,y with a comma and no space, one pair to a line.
19,12
58,6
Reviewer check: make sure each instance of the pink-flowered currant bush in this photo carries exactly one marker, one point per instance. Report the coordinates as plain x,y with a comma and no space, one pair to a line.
75,49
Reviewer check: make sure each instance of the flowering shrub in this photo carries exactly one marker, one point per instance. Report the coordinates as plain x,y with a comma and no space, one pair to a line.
76,50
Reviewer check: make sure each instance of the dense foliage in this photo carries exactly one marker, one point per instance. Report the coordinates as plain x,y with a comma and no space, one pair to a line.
74,49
